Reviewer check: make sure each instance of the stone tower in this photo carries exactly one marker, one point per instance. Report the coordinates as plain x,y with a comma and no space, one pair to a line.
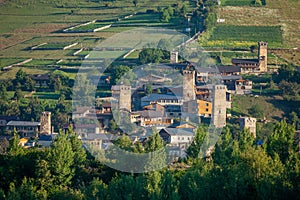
173,57
219,106
248,123
263,56
45,121
188,85
122,93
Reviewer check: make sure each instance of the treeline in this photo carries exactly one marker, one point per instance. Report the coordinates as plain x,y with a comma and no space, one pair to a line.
237,169
29,109
288,80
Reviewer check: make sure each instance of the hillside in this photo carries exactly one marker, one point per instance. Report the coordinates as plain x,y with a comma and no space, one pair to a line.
40,30
277,22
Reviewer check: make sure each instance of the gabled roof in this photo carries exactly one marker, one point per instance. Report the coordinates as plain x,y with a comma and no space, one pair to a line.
181,125
233,77
244,61
40,77
229,69
92,136
179,132
156,97
150,113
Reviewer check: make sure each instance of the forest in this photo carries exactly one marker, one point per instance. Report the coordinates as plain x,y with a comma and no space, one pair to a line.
238,168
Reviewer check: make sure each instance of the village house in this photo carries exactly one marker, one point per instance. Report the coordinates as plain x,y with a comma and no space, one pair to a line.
175,137
41,79
25,128
149,118
254,66
162,99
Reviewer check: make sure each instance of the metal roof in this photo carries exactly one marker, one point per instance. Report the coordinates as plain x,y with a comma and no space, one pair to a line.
229,69
23,123
244,61
179,131
156,97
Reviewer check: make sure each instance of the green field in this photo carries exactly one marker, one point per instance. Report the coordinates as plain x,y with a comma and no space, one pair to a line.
244,36
27,24
237,2
9,61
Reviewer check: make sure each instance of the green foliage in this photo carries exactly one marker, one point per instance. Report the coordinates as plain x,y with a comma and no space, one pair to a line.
150,56
15,148
61,160
65,194
233,35
195,148
83,91
96,190
243,2
282,141
156,152
134,187
148,89
117,72
256,111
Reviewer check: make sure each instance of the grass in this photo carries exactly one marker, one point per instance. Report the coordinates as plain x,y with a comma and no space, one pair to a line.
276,13
12,73
241,104
236,2
9,61
47,95
242,36
41,62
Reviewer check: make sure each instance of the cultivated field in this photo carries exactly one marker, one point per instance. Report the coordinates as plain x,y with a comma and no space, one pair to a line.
33,29
278,13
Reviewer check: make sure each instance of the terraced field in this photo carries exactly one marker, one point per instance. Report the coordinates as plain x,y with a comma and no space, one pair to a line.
30,23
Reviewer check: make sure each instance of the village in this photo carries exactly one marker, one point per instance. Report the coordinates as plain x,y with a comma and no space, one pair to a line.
174,111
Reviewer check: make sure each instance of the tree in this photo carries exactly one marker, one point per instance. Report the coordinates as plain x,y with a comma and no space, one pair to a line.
15,148
169,186
118,72
150,55
96,190
156,152
126,187
61,160
20,78
29,83
3,92
124,143
77,148
165,16
195,148
83,91
294,119
18,95
135,2
148,89
281,141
